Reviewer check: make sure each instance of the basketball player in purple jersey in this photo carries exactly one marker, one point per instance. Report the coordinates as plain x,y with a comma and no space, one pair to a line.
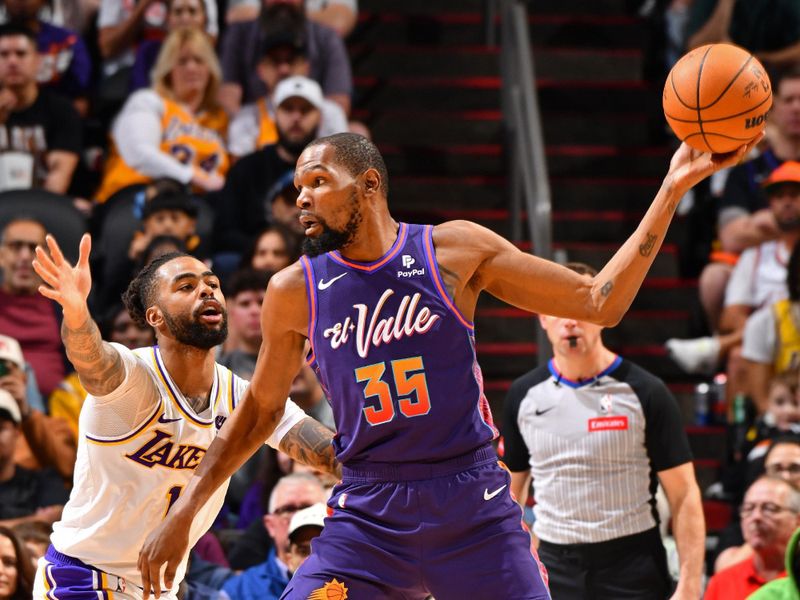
423,507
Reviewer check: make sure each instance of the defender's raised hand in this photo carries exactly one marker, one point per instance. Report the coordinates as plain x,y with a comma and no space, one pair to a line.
66,284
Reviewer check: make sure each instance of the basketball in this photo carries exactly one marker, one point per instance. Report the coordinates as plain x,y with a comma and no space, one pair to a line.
717,97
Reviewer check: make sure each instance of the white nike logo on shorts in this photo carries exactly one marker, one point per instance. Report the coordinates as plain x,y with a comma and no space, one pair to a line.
488,496
324,285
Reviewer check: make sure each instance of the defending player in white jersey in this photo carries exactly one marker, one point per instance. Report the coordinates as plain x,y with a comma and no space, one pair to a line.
147,421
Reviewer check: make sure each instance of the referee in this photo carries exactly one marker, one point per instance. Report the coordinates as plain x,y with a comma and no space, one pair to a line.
597,433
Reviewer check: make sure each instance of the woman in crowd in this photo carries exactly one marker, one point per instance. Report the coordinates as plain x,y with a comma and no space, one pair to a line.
180,13
16,570
275,248
175,128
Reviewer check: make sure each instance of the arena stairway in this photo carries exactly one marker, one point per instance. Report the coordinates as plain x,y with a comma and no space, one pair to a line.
428,87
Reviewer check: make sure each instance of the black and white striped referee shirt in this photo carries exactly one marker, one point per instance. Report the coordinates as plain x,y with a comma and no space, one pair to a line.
593,448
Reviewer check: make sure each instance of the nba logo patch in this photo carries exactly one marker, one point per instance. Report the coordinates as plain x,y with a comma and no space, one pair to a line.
342,500
605,404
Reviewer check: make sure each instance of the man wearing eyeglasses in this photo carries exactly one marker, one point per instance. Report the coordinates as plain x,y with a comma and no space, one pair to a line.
266,581
25,315
769,514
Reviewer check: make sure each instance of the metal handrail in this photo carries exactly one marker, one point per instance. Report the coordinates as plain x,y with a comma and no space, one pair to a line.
529,184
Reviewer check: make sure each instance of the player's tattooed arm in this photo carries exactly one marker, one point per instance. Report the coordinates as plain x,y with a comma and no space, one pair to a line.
97,363
450,279
309,442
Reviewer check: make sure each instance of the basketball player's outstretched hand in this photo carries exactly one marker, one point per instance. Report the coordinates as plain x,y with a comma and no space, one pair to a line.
689,167
66,284
168,543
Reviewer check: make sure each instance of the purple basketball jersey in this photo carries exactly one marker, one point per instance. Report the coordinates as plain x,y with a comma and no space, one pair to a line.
395,356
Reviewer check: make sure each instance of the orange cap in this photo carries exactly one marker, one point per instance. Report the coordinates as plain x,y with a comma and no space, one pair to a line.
788,172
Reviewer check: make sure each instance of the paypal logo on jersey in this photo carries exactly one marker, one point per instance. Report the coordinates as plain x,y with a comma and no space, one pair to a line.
372,329
408,261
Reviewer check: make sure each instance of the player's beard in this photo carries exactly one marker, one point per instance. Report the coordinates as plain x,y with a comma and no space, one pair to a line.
189,331
334,239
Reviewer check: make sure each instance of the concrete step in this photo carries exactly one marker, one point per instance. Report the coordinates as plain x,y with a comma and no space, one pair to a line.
479,60
540,7
427,93
547,30
410,195
402,127
645,326
584,128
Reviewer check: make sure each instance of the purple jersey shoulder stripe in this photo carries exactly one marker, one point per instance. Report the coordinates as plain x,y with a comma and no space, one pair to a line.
311,291
430,259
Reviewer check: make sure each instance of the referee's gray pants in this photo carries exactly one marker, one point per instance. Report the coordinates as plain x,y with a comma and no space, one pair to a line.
633,567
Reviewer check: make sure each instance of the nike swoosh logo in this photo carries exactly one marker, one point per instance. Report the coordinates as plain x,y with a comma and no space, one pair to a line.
163,419
324,285
488,496
539,413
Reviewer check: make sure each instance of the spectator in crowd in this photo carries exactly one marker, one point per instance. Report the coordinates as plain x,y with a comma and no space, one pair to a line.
245,294
304,526
758,279
25,495
40,132
275,247
308,394
784,588
770,514
24,315
241,53
744,218
778,457
771,338
770,30
284,55
169,221
45,441
180,14
36,537
16,572
282,199
596,430
118,327
122,26
339,15
267,580
241,211
176,129
64,65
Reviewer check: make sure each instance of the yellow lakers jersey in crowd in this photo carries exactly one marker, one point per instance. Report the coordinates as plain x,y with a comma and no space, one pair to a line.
192,140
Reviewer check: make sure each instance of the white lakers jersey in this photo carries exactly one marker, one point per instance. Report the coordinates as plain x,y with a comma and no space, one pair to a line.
125,483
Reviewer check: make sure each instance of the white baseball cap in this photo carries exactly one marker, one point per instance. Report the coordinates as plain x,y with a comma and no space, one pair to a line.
10,350
299,87
8,404
314,515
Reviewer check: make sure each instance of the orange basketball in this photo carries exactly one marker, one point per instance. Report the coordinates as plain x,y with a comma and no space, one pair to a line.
716,98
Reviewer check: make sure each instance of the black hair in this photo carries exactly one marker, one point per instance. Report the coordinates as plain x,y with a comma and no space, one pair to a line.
247,280
786,438
139,295
295,39
20,218
290,239
170,200
793,274
357,154
778,76
14,29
